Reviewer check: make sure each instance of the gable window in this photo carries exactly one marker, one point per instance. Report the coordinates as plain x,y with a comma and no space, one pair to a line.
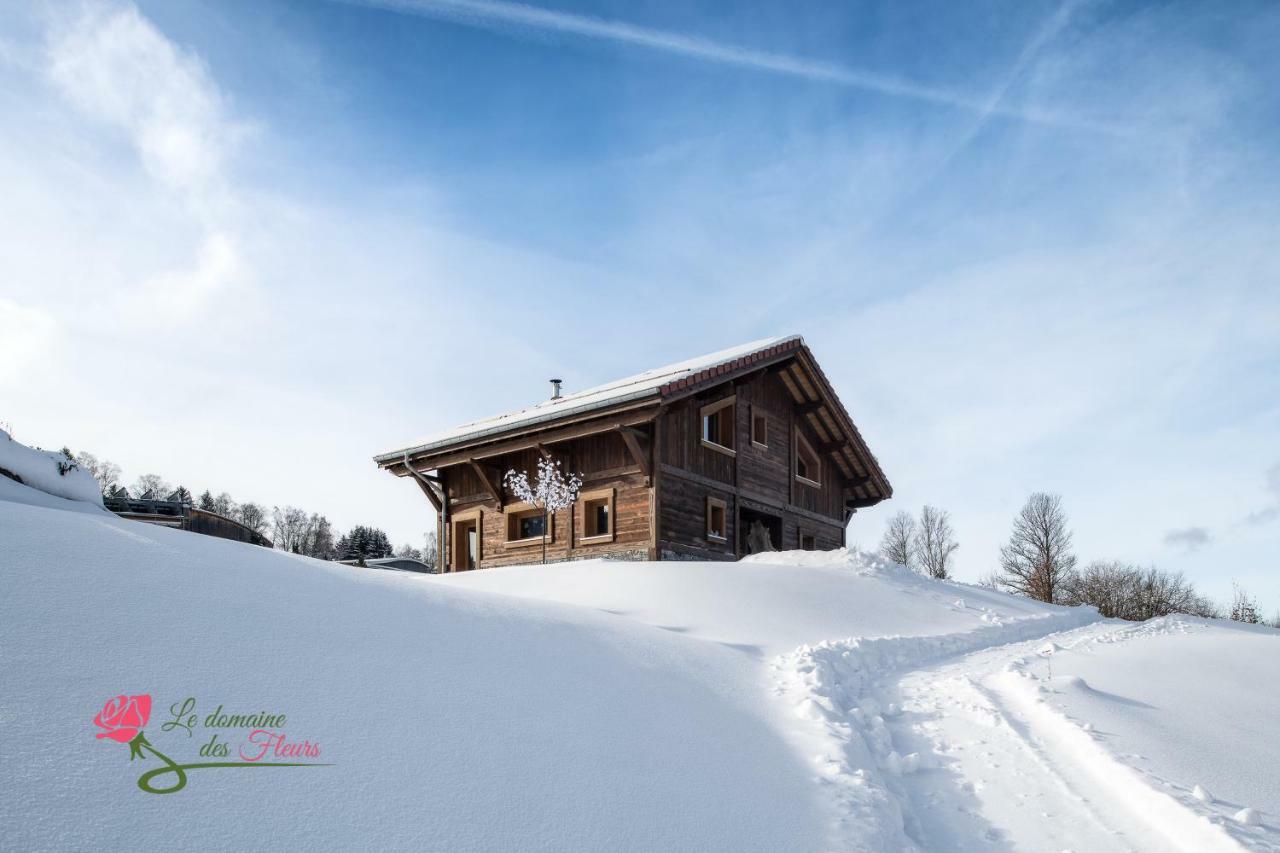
808,466
597,515
717,529
759,428
526,524
718,425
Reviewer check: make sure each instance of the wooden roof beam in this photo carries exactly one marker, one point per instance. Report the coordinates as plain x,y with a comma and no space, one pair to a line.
532,439
632,438
437,500
482,471
814,407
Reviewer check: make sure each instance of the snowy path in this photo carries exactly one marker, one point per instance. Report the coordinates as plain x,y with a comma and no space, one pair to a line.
1009,772
955,743
962,751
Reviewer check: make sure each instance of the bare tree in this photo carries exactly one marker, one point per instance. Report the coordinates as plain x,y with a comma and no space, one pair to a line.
291,528
224,505
899,539
431,550
106,473
935,542
317,538
409,552
1123,591
1243,607
253,517
1037,559
152,483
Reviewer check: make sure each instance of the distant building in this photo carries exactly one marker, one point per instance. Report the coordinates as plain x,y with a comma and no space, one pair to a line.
180,515
403,564
732,453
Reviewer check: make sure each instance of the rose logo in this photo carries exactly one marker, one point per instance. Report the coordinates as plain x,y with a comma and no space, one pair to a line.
123,717
122,720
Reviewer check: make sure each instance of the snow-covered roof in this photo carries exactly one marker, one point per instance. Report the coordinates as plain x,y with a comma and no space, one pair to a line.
645,384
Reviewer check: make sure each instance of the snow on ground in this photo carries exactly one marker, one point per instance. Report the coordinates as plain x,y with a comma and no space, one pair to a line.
455,720
786,702
765,605
47,472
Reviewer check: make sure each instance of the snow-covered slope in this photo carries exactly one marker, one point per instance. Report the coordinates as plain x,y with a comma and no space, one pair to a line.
795,702
454,720
47,472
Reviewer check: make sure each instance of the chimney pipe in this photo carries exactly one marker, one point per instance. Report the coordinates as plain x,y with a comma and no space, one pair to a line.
555,388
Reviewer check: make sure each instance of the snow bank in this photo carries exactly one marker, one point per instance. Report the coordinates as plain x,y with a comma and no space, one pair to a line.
454,719
49,472
795,701
767,604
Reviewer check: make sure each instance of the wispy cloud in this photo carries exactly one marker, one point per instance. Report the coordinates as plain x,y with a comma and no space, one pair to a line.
115,68
495,14
1188,538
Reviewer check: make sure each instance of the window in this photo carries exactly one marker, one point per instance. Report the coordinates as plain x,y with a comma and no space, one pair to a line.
717,528
525,525
808,466
597,515
759,428
718,425
808,542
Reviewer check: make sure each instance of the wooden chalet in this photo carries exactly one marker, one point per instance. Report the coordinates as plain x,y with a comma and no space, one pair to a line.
739,451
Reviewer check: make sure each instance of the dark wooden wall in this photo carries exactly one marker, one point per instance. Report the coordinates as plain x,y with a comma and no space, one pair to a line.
754,478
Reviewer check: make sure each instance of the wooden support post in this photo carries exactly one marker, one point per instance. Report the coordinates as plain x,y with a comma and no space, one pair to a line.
489,486
632,438
422,481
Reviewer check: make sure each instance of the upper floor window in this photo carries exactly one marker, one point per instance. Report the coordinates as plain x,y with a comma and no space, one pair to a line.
759,428
808,465
718,425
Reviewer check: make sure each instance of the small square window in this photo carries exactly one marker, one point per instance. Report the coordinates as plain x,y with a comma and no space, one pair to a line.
527,525
717,528
597,514
759,428
808,542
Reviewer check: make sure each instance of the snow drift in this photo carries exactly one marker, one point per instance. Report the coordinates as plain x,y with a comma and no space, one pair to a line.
787,702
49,472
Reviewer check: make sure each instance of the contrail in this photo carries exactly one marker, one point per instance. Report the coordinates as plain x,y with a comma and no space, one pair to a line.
496,14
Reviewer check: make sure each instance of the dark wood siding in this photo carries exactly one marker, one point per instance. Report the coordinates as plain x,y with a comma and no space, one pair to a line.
760,478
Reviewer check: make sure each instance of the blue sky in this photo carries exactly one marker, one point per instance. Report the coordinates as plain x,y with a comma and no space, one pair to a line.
248,245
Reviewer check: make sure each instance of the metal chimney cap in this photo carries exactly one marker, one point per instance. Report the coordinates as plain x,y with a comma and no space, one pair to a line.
555,388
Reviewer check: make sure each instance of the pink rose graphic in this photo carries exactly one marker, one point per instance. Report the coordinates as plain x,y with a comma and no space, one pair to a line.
123,717
122,720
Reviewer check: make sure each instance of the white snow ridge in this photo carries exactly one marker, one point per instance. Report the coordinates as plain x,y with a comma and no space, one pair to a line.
797,702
